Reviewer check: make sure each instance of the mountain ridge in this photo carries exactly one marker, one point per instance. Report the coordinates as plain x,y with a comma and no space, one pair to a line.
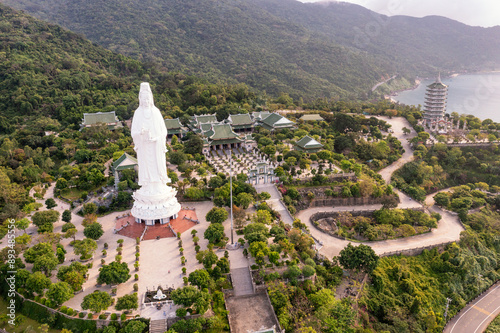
277,46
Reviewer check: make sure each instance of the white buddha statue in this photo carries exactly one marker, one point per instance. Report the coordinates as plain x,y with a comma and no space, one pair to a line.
155,200
149,134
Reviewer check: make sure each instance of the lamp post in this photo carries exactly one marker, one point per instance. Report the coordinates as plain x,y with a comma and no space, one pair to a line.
231,191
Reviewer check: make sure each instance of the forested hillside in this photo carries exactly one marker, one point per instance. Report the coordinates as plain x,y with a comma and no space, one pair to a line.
46,71
221,40
308,50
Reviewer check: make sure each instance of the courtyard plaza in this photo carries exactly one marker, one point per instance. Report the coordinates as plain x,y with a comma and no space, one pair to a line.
160,263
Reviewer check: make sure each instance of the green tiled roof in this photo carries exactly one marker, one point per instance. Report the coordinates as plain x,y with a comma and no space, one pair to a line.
262,114
124,162
206,127
173,124
277,120
308,143
437,85
240,119
222,132
99,117
311,117
207,118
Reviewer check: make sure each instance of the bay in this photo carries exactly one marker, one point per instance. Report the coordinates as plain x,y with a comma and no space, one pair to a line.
475,94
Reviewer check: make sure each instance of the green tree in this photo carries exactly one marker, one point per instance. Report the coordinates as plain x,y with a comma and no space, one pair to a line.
96,301
66,216
209,260
60,292
358,257
73,274
85,248
223,264
44,218
177,157
199,278
114,273
23,224
191,296
37,282
89,208
308,271
442,199
215,182
46,263
262,216
134,326
214,233
71,233
93,231
50,203
36,251
264,196
217,215
68,226
127,302
244,200
194,145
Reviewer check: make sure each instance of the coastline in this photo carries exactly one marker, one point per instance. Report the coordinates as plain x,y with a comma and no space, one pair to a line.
418,81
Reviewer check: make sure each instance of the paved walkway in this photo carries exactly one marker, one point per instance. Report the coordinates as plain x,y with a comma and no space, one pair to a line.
476,317
275,202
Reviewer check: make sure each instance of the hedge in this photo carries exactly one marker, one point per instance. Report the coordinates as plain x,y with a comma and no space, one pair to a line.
56,320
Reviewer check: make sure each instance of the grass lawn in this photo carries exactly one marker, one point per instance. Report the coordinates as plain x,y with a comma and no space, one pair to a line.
71,194
25,323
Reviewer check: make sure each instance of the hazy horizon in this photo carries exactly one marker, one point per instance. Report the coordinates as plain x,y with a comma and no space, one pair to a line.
482,13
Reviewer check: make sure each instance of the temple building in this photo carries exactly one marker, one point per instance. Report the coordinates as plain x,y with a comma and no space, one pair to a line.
308,145
107,118
174,127
311,117
197,121
241,122
435,102
122,163
275,121
221,136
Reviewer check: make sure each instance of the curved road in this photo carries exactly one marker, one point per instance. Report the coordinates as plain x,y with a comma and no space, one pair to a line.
476,317
448,229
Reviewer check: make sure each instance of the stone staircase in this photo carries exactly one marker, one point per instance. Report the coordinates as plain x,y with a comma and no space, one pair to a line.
242,281
158,326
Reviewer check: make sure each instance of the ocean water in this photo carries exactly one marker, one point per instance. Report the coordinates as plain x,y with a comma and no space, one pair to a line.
475,94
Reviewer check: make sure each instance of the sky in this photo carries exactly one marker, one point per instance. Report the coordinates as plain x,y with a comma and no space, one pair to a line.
484,13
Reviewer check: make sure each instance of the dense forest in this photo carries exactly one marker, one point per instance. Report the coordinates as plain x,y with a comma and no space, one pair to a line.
306,50
50,72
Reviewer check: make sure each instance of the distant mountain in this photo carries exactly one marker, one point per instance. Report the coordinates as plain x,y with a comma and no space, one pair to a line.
310,50
417,45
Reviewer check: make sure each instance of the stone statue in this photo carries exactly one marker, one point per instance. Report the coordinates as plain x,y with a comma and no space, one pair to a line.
149,134
155,201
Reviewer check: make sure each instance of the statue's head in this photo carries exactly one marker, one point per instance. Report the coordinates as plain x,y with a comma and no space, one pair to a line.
145,95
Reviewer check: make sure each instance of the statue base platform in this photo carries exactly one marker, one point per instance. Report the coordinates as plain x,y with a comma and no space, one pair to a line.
151,208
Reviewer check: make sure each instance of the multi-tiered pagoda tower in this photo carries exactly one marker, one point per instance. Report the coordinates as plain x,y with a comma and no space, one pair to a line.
435,102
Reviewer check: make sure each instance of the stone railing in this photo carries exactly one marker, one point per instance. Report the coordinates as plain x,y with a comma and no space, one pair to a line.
414,251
